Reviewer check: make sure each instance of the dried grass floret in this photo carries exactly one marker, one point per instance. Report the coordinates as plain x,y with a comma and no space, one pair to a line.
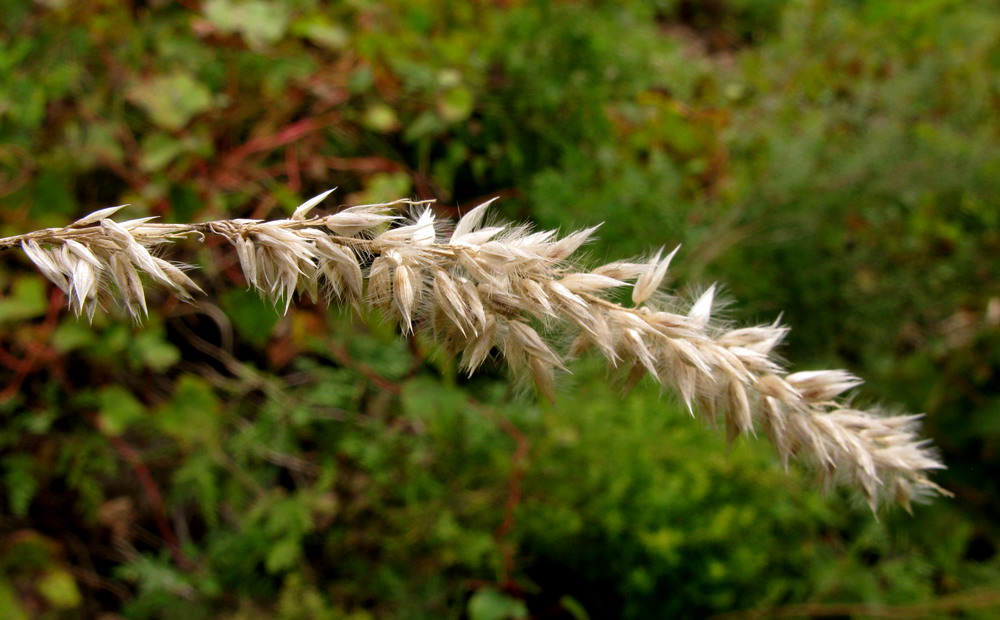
511,290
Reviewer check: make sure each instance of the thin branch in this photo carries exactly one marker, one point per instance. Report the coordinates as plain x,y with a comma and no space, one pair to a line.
155,499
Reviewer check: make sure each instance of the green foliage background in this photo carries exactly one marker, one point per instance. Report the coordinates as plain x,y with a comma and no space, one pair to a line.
835,161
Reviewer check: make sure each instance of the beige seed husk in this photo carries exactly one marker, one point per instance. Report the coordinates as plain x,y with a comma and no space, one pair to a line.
509,289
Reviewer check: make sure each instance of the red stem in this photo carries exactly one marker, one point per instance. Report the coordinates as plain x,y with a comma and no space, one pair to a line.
29,363
155,499
514,495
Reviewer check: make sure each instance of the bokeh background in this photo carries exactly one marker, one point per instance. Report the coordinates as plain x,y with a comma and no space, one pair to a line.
837,161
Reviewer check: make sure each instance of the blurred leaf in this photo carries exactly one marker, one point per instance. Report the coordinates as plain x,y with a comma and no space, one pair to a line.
100,144
253,318
71,335
384,186
59,589
573,608
283,555
10,605
192,415
20,483
153,351
25,301
380,117
118,408
489,604
159,149
260,22
427,123
171,100
456,104
322,31
157,576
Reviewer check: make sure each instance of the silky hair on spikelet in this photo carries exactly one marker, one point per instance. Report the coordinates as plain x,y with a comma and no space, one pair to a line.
478,289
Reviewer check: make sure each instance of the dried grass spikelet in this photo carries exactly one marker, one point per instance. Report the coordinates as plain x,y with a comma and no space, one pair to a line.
340,271
489,288
96,260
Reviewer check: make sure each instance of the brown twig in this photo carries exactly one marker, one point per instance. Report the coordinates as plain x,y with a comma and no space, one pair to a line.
155,499
514,495
234,160
29,363
344,358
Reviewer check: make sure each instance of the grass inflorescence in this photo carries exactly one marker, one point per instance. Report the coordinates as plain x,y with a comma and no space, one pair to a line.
501,288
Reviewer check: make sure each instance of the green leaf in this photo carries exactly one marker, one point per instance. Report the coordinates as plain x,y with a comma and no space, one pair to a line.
283,555
71,335
254,320
426,124
20,483
381,118
158,150
171,100
490,604
321,31
573,607
118,408
26,300
59,589
10,606
196,479
156,575
91,143
456,105
153,351
260,23
193,414
385,186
